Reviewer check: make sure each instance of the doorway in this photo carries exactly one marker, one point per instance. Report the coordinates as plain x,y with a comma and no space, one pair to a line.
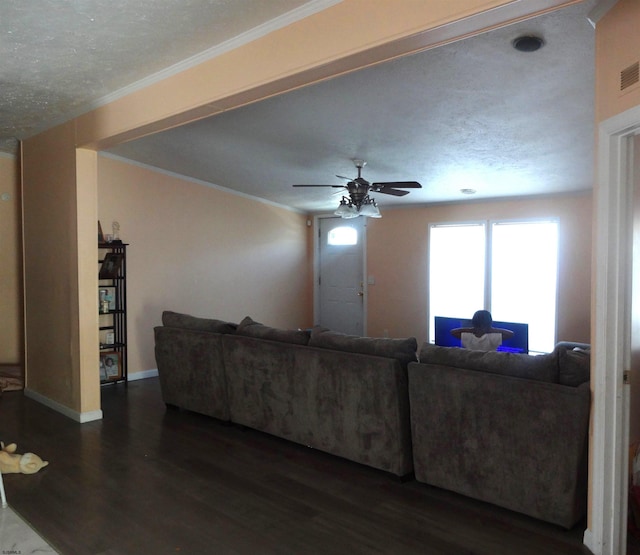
612,334
340,297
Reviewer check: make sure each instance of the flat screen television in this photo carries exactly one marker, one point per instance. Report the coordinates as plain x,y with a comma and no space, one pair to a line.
519,343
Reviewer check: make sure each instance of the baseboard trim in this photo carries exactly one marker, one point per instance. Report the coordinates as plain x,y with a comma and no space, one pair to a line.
587,540
80,417
142,375
83,417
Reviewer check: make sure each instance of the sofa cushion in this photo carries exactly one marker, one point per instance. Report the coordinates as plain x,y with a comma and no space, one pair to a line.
574,366
542,367
403,350
250,328
185,321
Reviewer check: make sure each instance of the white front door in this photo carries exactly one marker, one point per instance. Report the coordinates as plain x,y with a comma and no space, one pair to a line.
340,275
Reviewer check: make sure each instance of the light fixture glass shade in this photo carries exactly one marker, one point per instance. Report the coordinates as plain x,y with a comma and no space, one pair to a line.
367,210
342,210
346,209
370,209
351,212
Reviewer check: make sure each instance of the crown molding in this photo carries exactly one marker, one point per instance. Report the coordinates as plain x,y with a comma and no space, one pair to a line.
308,9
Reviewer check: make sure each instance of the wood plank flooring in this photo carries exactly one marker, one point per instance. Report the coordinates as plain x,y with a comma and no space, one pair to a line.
147,480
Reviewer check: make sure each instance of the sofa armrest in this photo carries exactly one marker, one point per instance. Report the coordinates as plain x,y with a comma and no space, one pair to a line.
191,370
520,444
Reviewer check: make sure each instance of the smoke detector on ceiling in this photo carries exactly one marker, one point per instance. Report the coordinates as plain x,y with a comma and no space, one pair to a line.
528,43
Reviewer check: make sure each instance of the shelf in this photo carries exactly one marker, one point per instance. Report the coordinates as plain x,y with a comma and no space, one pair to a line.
112,245
105,347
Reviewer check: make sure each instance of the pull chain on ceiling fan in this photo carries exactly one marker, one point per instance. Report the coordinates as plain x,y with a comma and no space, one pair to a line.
357,202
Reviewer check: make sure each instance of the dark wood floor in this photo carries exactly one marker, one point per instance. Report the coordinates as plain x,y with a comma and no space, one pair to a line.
146,480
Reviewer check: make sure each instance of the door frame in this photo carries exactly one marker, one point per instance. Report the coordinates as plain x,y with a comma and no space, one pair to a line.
606,532
316,269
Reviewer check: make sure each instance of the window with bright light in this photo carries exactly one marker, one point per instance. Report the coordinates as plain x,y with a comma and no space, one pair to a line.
456,270
340,236
524,271
508,268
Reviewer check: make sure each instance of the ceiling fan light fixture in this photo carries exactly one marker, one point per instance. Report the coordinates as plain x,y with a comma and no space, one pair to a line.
358,202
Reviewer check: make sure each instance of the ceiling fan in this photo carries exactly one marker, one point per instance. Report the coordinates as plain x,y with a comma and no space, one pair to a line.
358,202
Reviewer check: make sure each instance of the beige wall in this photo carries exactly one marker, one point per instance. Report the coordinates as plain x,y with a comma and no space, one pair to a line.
617,47
55,261
397,257
11,267
202,251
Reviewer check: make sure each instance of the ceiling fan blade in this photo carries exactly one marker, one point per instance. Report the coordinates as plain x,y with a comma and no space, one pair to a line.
394,192
343,177
340,186
398,184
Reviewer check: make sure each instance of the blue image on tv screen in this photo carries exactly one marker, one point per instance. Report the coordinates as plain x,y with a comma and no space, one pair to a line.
519,343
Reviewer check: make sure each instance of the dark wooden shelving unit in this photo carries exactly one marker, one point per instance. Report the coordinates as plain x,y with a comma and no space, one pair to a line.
113,319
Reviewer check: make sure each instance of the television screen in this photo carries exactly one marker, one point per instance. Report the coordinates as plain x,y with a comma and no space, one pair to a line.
519,343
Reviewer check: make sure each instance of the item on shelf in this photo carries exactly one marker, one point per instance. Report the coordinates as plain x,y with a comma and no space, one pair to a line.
110,366
104,304
110,265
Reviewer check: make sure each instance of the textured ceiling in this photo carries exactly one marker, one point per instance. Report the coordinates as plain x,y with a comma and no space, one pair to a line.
60,58
472,114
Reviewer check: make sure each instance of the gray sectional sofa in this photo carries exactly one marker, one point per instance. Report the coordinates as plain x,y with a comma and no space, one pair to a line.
344,395
504,428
